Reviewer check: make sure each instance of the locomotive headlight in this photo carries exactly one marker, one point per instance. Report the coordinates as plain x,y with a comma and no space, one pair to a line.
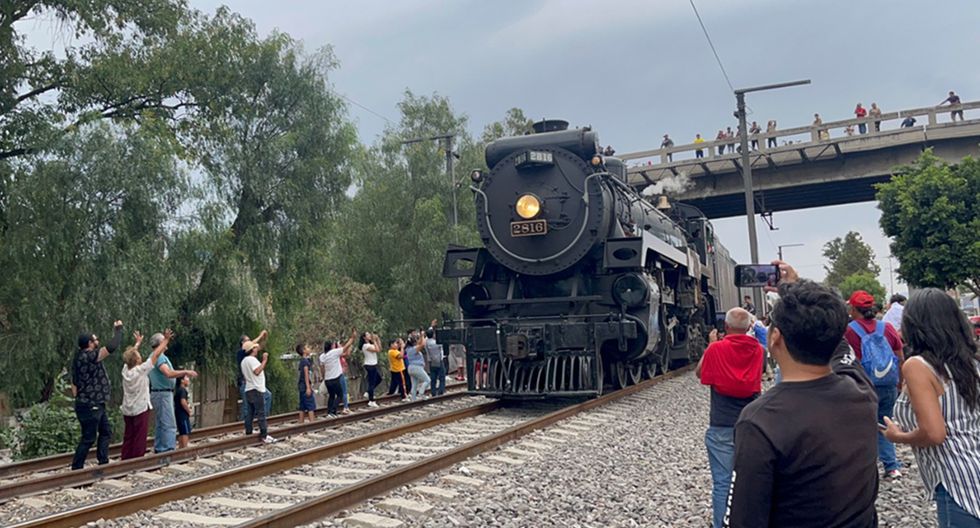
528,206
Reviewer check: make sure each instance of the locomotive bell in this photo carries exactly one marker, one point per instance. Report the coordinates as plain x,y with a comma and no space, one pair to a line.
663,203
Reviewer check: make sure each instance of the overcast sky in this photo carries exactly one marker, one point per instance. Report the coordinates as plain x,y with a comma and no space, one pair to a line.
635,69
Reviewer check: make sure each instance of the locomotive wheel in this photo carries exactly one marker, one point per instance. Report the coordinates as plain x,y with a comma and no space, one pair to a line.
620,375
649,371
663,363
601,377
635,373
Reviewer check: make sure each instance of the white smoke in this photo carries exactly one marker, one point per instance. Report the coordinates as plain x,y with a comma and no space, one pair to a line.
670,185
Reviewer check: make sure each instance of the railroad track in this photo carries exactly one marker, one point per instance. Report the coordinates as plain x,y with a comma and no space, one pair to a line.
331,477
63,460
25,498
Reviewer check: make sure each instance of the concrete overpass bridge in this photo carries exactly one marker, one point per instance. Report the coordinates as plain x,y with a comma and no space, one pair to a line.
810,166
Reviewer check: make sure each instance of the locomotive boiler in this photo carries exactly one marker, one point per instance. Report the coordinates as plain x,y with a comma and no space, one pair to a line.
581,284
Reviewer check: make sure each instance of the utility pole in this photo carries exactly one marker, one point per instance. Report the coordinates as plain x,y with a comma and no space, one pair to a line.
747,170
780,249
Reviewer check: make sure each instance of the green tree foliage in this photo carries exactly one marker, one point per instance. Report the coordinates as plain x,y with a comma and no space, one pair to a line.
395,231
847,256
44,94
931,210
85,245
863,280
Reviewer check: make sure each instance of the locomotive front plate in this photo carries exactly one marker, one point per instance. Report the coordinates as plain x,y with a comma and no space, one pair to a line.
529,228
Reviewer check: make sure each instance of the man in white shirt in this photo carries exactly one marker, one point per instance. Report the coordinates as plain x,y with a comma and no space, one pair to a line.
254,373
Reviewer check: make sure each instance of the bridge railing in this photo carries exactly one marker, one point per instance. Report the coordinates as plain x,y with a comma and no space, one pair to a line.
793,138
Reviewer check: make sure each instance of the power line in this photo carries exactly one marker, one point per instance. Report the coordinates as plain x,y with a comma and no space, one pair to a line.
711,44
355,103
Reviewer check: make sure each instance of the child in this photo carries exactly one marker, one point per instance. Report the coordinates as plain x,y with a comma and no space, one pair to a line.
307,403
182,412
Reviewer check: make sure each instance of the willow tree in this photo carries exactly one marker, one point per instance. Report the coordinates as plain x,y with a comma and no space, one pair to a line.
273,146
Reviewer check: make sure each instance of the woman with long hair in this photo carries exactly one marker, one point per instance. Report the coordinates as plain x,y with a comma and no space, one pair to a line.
938,412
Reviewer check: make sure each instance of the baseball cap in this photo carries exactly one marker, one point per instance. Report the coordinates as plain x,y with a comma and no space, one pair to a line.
861,299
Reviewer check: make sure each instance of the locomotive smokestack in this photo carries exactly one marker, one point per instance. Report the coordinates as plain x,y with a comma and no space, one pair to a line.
550,125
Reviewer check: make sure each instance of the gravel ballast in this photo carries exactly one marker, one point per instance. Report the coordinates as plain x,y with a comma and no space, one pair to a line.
646,465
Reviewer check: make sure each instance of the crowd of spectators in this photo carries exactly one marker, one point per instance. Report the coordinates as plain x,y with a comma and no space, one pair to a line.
725,139
415,362
805,452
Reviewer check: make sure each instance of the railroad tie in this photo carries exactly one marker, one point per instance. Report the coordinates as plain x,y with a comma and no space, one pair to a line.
404,506
207,520
369,520
247,505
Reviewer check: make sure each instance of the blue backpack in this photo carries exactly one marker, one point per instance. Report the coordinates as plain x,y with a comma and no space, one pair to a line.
877,357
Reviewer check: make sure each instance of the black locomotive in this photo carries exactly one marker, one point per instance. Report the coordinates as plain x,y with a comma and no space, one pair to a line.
581,283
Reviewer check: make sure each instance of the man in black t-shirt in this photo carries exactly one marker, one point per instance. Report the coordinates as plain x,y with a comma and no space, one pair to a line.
806,450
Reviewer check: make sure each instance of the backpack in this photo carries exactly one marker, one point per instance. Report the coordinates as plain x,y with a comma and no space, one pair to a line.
877,357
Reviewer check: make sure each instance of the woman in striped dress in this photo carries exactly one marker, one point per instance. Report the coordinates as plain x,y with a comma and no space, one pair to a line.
938,411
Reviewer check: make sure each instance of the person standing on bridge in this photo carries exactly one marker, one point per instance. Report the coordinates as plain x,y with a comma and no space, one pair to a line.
730,136
821,132
697,141
720,140
876,113
754,130
861,113
770,130
954,103
732,367
668,144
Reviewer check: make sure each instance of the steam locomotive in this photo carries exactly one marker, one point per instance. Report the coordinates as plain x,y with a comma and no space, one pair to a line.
581,285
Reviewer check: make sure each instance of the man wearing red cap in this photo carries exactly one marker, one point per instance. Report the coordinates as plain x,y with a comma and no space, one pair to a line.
865,330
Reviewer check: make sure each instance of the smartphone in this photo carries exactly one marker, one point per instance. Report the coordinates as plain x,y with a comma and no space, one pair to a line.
756,275
882,427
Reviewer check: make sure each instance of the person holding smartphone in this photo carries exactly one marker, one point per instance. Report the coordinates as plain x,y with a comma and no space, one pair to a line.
806,450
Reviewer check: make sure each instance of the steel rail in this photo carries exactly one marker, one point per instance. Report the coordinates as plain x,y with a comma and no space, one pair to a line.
148,499
63,460
161,460
343,498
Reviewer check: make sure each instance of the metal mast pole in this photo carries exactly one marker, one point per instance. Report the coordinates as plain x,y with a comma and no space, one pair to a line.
743,140
747,170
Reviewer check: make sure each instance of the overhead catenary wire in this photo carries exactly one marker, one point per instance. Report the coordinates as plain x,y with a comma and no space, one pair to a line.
359,105
712,46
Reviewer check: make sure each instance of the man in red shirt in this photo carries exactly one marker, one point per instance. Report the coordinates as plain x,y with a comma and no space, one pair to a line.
860,112
861,308
733,369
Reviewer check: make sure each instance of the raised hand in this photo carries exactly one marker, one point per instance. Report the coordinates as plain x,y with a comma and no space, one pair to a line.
168,334
117,324
138,337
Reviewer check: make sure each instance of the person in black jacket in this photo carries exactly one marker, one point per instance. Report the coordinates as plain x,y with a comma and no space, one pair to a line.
90,386
806,450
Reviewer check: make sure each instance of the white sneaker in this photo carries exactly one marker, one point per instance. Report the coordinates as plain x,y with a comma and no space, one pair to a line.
406,400
269,440
365,395
372,404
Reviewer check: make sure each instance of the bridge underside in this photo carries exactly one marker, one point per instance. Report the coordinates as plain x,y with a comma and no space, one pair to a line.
807,176
791,198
